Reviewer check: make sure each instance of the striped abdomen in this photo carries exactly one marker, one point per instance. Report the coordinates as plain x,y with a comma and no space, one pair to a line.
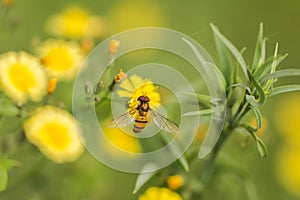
140,123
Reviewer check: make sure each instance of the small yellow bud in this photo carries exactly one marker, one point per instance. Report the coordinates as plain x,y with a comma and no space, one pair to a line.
113,46
87,45
175,182
52,85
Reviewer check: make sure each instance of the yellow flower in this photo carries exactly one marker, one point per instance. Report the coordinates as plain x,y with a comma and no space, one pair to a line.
288,116
61,59
175,182
155,193
136,86
75,22
22,77
288,168
55,133
135,13
121,140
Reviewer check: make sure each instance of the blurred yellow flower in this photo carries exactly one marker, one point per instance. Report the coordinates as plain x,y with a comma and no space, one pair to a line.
121,140
135,13
75,22
175,182
136,86
288,168
155,193
22,77
287,117
61,59
55,133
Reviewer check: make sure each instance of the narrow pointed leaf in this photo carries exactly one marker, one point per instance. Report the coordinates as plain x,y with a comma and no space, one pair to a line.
281,73
224,56
259,49
3,178
175,149
198,113
238,56
262,97
246,87
262,148
267,65
144,177
284,89
258,116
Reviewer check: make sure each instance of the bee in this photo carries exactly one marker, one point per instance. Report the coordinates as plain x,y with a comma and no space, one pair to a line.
144,115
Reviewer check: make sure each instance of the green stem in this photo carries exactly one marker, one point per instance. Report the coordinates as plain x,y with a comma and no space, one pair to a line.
209,166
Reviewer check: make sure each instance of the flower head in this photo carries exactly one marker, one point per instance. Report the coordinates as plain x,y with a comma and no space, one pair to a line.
55,133
61,59
22,77
288,165
136,86
289,108
155,193
121,140
75,22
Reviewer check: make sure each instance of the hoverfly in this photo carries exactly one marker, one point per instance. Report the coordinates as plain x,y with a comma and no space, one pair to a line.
144,115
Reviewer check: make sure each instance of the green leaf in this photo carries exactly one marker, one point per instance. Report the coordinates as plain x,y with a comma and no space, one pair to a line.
175,149
202,98
261,147
197,113
238,56
259,53
252,99
3,178
246,87
258,116
225,59
144,177
281,73
284,89
267,65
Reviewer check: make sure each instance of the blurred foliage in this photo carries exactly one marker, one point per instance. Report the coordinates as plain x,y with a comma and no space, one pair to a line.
32,176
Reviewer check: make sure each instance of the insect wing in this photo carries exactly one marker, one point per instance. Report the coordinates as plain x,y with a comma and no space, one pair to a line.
122,120
163,122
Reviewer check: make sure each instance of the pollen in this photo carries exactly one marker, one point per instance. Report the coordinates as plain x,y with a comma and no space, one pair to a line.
61,58
55,135
21,77
62,61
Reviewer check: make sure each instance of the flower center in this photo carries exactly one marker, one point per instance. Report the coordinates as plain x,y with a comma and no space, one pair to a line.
55,135
58,59
21,77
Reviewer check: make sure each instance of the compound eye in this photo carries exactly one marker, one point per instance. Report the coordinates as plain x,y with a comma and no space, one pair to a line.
146,99
141,98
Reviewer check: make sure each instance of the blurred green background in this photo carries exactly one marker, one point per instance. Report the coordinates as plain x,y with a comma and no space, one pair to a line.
237,19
